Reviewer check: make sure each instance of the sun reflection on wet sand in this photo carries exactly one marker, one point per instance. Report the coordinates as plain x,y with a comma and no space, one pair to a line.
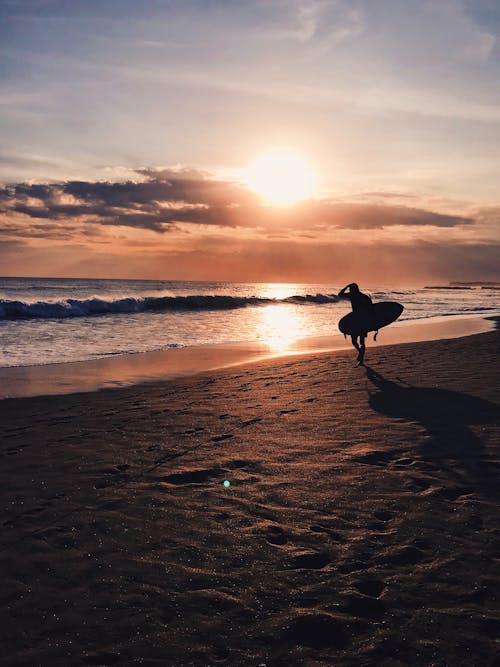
280,326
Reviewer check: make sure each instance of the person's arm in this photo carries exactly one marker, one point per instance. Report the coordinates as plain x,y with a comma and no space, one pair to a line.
343,290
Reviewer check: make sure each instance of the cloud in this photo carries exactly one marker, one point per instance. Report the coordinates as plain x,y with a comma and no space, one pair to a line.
378,216
166,198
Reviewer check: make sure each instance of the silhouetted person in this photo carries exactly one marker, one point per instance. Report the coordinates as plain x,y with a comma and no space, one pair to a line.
364,315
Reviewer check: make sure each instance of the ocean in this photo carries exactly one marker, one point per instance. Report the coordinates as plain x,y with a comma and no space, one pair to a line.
55,320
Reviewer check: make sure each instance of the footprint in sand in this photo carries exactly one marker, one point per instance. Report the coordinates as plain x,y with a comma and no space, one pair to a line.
353,566
219,653
371,587
244,464
403,462
456,492
319,528
383,515
407,555
417,484
224,436
319,630
364,606
193,431
275,535
192,476
377,458
311,560
289,411
249,422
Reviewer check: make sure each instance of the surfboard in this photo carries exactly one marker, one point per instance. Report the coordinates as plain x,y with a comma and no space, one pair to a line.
386,312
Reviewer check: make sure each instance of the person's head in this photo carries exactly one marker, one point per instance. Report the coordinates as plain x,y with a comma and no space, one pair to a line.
353,288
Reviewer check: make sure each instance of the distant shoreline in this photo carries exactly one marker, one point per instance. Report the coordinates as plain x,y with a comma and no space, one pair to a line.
457,283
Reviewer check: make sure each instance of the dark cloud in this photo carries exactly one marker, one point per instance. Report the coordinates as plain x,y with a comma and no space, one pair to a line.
377,216
166,198
170,196
324,214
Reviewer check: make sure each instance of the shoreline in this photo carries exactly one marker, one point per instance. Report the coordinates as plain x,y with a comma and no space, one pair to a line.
148,367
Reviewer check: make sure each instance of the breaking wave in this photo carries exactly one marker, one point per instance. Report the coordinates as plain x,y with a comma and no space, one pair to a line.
20,310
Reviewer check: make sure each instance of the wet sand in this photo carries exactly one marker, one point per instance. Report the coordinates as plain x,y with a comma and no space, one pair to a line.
124,370
360,527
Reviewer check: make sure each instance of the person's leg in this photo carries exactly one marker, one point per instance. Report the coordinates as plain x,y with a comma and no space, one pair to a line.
361,349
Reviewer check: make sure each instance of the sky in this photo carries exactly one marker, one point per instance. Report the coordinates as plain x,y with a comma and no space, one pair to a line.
128,130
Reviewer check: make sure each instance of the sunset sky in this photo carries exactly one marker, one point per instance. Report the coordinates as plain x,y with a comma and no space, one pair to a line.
271,140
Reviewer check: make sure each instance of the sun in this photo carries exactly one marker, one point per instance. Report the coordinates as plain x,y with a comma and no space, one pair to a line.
281,177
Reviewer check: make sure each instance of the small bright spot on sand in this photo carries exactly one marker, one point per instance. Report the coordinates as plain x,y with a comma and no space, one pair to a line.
227,483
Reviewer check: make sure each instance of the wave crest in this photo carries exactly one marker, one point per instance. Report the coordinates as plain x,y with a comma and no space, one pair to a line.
17,310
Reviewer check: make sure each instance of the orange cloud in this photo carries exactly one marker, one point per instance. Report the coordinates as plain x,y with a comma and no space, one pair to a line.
170,197
219,230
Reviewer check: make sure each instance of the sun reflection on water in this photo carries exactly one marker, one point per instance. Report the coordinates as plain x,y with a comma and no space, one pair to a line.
279,290
280,326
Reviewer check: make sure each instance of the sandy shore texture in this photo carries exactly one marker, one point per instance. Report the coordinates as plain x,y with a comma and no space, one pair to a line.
361,525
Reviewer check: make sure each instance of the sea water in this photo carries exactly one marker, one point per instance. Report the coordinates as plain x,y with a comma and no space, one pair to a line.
54,320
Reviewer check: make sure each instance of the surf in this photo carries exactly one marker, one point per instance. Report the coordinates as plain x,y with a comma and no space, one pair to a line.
71,308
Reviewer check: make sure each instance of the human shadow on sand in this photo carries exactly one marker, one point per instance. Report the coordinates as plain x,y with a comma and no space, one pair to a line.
452,447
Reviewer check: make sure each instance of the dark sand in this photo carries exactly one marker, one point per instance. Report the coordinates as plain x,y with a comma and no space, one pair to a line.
361,526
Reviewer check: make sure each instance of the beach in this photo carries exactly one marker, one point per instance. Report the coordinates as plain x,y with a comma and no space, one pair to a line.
291,511
250,334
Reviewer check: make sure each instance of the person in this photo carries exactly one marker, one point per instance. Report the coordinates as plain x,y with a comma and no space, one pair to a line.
364,312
